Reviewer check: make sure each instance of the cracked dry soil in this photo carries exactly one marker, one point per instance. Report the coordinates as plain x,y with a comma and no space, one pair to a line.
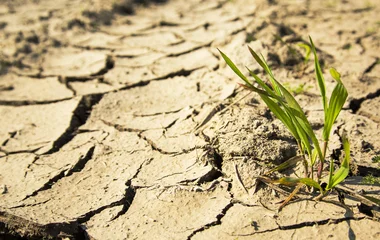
117,119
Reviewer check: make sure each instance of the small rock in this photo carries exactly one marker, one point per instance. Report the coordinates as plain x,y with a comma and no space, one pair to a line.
3,189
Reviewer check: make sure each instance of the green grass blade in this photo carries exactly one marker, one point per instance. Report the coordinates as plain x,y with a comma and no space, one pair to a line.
289,181
281,115
303,135
335,74
314,155
266,68
257,58
296,110
320,78
337,100
241,75
344,169
307,51
261,82
235,69
302,122
331,174
285,165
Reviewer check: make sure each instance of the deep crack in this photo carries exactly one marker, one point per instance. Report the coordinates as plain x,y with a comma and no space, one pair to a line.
356,103
30,102
64,173
301,225
218,221
80,115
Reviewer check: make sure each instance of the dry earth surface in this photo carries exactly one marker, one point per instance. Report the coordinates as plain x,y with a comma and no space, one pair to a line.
117,118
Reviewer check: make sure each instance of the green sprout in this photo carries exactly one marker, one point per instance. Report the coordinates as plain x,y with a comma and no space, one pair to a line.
307,51
296,90
370,179
376,159
284,106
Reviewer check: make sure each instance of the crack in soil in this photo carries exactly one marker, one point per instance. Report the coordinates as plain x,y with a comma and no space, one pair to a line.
30,102
356,103
126,201
121,128
371,67
301,225
80,115
64,173
218,221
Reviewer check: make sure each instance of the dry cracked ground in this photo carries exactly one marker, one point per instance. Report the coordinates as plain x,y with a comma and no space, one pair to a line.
120,120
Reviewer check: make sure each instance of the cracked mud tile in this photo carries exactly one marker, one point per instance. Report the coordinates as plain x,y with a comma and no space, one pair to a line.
171,214
169,143
33,173
35,126
100,183
148,107
180,49
363,134
349,229
91,87
303,220
178,137
74,63
140,61
240,220
245,132
104,41
24,89
176,169
206,35
302,211
220,12
159,39
128,76
184,63
370,108
162,68
131,52
247,169
134,27
97,40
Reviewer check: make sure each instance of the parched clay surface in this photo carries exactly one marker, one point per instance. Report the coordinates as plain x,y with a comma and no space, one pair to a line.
120,120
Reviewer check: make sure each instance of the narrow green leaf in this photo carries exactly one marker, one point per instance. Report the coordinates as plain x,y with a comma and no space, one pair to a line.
314,156
289,181
234,68
320,78
266,68
307,49
288,163
257,58
261,82
331,174
335,74
337,100
281,115
344,169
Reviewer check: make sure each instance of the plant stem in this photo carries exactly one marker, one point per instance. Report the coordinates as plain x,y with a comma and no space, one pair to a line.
320,167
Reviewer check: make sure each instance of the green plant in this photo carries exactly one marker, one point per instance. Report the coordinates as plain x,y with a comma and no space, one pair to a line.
307,51
376,159
370,179
298,89
284,106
